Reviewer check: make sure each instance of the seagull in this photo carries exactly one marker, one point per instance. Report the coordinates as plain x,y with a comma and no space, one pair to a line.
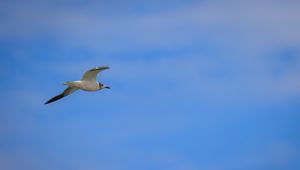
87,83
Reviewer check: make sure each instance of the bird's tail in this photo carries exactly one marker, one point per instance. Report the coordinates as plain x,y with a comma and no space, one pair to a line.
69,83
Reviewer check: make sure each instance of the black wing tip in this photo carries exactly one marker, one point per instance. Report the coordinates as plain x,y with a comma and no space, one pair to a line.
102,68
55,98
49,101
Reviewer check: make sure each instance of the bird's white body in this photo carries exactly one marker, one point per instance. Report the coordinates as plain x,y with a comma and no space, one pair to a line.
87,83
84,85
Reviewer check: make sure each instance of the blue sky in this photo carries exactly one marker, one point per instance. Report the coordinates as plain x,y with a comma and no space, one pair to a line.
210,85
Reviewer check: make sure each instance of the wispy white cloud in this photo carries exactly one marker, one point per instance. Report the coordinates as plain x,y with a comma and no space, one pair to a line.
258,24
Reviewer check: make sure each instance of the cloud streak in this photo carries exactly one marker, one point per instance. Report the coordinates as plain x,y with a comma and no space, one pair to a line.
254,23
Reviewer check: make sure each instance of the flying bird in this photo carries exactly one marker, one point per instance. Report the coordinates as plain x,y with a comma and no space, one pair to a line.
87,83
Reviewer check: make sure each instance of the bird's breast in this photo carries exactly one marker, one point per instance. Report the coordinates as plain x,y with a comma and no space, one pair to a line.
84,85
89,86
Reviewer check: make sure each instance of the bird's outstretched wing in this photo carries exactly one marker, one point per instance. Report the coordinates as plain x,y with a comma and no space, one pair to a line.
66,92
91,74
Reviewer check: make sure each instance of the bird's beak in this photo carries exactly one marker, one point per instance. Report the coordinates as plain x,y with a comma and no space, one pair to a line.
107,87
